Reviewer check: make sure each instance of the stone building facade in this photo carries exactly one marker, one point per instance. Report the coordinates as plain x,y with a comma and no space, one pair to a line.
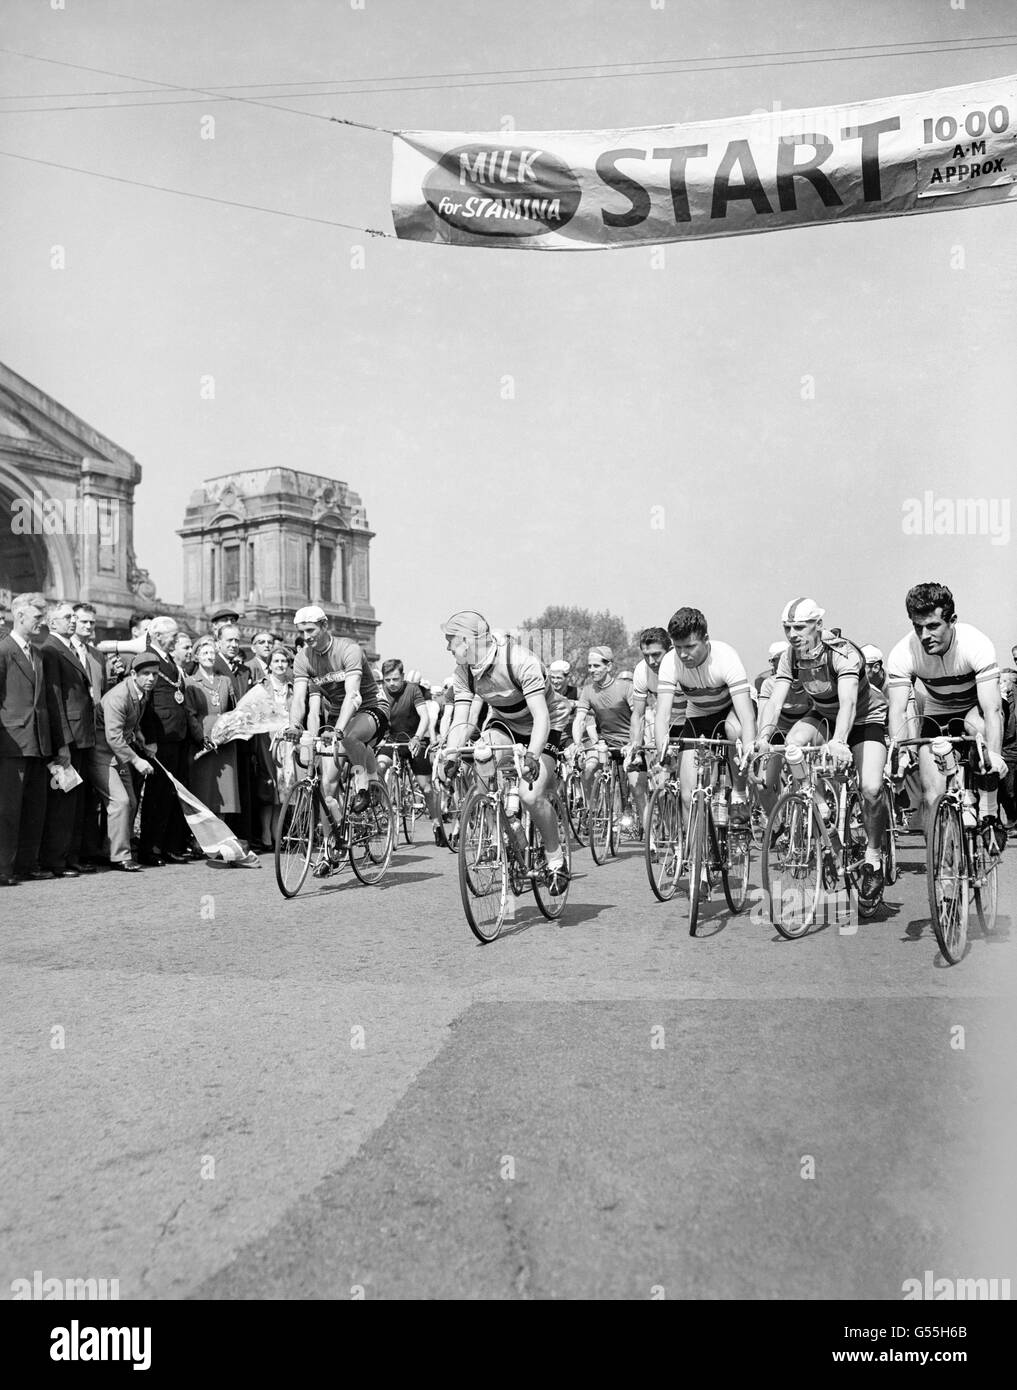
269,541
67,509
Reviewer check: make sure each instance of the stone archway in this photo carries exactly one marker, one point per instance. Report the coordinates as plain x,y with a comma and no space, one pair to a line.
31,562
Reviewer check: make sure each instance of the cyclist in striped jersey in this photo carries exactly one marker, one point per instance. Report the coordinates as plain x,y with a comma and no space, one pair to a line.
796,704
953,665
846,714
711,677
492,668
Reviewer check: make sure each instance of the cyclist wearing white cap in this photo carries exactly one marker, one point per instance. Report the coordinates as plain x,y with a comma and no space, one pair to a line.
492,668
796,704
874,665
845,713
609,701
565,704
711,677
953,665
332,682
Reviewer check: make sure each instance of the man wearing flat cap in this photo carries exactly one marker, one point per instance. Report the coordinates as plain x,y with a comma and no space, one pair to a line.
119,747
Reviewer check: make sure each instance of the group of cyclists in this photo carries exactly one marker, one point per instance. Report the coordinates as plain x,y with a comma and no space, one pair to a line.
821,689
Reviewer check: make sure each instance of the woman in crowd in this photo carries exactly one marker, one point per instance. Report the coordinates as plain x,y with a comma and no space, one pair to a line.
272,776
213,777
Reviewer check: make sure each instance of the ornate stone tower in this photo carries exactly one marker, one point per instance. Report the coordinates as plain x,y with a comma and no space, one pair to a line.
271,540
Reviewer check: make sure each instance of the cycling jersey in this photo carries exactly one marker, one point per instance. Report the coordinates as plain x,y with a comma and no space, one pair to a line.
820,676
796,704
611,706
564,709
513,673
708,687
404,710
326,672
950,681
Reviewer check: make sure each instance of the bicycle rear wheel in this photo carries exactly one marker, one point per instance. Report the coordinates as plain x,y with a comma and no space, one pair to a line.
552,905
601,807
854,854
372,835
986,893
792,864
483,866
575,805
664,839
617,811
734,866
947,877
294,838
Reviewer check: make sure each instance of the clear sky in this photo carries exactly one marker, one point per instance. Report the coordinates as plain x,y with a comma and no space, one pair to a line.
635,387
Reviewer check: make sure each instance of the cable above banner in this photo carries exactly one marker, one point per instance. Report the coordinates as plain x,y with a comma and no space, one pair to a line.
584,190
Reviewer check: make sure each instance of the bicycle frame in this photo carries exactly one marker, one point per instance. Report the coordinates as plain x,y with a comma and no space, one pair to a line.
339,838
494,867
821,835
956,823
708,848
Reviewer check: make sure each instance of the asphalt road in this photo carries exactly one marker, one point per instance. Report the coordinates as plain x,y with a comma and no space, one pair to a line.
212,1092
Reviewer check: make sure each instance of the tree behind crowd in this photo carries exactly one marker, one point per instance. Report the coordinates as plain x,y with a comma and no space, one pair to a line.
567,633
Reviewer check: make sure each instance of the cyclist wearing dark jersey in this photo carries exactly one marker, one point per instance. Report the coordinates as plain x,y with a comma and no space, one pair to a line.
845,713
333,684
409,723
609,700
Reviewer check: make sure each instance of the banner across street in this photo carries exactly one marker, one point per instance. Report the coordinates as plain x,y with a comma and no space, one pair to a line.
582,190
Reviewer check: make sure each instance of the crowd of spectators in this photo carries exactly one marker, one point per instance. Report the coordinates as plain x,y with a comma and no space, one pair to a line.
89,732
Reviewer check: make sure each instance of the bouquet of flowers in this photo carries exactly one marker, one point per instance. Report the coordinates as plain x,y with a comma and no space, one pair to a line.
255,713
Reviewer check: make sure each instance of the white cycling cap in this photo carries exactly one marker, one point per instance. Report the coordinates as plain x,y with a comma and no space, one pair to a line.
802,610
871,653
310,614
777,649
559,668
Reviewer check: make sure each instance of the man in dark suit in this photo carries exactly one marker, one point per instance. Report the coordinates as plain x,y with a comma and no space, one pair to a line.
60,851
229,662
33,729
261,646
164,834
100,680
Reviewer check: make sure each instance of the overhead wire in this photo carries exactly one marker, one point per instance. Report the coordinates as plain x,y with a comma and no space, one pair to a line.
572,73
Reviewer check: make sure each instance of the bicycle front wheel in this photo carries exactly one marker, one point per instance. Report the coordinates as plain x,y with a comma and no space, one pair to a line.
663,851
372,836
947,875
695,841
408,804
552,905
483,866
792,864
601,807
294,838
891,871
